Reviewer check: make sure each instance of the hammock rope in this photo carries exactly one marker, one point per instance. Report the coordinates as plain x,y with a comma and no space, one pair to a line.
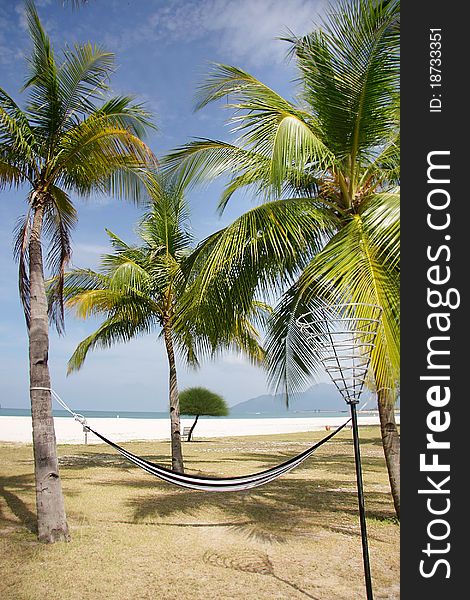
203,483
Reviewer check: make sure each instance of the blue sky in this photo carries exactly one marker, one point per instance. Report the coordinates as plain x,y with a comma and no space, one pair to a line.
163,49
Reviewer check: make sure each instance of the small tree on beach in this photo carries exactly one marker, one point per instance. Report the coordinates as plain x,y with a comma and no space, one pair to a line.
146,288
68,140
198,401
326,169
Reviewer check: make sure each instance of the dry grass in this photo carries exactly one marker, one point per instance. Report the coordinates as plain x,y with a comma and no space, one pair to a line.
135,537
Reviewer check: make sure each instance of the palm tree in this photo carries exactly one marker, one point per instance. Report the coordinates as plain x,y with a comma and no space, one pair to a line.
68,139
146,288
331,158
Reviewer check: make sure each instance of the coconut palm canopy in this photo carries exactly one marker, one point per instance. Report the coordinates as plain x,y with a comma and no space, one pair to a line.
71,138
327,169
144,287
150,287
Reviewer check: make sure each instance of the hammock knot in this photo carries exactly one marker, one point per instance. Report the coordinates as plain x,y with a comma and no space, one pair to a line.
77,416
82,420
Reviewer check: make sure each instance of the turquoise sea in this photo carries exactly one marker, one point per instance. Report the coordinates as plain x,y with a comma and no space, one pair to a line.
107,414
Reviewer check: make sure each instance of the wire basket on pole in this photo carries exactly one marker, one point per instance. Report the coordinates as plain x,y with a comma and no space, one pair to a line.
344,336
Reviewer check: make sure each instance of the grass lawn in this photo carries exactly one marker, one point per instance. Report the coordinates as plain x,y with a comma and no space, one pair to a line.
135,537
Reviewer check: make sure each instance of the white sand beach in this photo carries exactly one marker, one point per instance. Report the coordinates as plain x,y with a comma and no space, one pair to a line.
68,431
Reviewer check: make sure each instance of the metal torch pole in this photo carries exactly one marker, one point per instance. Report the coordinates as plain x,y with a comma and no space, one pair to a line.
360,498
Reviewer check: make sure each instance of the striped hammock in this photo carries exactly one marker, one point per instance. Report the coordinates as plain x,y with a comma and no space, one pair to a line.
218,484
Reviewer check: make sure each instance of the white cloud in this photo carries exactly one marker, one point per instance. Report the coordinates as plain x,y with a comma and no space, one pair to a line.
249,29
20,10
242,30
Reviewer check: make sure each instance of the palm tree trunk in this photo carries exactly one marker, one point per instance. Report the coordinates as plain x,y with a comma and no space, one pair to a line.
192,428
391,444
176,449
52,522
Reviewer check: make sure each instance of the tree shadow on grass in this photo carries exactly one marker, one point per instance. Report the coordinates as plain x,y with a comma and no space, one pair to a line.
15,504
90,460
341,464
344,465
270,513
11,490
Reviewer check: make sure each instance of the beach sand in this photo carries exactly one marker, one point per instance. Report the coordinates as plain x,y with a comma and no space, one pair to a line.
68,431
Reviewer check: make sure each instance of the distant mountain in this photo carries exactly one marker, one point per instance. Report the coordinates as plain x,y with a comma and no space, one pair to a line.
322,396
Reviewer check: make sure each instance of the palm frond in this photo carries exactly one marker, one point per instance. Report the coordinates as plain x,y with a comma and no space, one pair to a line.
265,246
10,175
292,361
44,106
113,330
97,155
124,113
296,144
165,226
269,125
83,78
21,254
119,246
381,218
350,71
353,267
17,140
384,169
204,160
227,80
60,217
129,277
79,281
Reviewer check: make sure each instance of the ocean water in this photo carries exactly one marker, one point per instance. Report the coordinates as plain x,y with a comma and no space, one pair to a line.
109,414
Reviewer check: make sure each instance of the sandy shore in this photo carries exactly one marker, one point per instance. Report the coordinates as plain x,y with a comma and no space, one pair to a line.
68,431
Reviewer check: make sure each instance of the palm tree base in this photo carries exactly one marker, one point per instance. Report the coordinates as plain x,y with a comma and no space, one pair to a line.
51,536
52,522
391,445
51,518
